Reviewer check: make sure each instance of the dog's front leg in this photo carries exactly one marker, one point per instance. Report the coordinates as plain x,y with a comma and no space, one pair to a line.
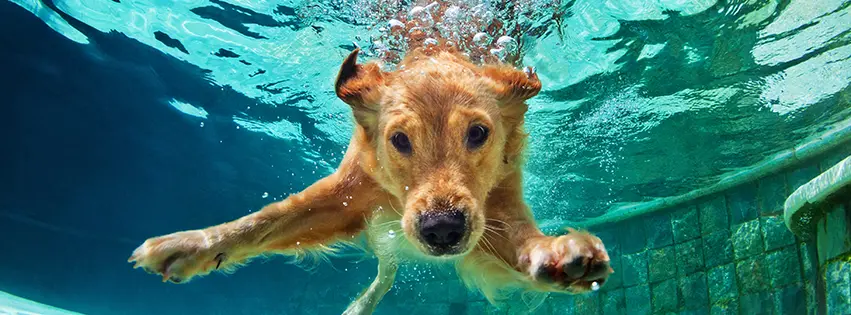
367,301
331,209
573,262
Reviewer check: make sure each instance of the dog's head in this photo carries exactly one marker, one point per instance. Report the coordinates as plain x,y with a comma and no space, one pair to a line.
441,134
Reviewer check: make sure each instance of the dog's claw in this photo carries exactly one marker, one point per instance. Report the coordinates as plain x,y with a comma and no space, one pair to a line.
219,258
529,71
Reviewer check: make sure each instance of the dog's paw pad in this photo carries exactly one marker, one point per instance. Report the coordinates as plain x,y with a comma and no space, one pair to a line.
575,262
177,257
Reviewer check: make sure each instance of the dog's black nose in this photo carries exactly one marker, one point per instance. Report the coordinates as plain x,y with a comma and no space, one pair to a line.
443,230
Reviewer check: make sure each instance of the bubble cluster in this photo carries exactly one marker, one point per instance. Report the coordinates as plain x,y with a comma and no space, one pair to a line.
484,31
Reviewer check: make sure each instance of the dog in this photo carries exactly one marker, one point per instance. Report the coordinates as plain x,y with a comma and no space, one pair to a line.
437,153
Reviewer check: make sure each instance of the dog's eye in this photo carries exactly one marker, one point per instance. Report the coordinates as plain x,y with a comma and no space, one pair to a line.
401,142
476,136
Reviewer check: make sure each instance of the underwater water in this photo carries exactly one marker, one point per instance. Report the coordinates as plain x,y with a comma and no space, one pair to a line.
136,118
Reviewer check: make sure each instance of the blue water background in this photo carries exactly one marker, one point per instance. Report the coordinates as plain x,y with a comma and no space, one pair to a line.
105,145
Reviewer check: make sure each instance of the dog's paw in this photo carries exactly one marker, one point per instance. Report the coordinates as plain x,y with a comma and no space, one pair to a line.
576,262
178,257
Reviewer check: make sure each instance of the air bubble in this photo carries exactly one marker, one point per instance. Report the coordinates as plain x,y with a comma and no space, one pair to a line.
421,16
481,39
432,8
202,124
499,53
430,43
406,188
595,286
265,195
507,42
391,234
345,204
395,25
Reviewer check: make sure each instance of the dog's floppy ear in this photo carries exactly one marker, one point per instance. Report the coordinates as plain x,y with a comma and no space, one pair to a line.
360,86
512,87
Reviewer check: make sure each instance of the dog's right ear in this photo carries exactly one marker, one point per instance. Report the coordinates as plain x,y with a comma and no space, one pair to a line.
361,87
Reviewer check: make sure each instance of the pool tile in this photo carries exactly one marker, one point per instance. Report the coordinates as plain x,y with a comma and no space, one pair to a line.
722,283
614,302
664,295
659,231
685,224
790,300
725,308
775,233
784,267
772,194
634,269
689,257
717,248
756,304
588,303
747,239
632,236
694,293
800,176
742,204
638,299
662,263
752,275
713,215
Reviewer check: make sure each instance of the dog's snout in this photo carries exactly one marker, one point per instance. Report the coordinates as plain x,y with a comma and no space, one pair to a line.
443,230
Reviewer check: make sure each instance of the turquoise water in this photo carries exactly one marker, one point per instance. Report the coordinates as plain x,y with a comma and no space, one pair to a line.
139,118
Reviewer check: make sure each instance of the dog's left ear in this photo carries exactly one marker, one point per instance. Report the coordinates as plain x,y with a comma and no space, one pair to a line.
361,86
512,87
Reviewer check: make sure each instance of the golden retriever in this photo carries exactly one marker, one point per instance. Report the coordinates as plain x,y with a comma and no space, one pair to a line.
437,154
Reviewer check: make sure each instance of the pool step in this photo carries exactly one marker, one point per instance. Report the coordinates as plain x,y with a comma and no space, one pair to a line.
15,305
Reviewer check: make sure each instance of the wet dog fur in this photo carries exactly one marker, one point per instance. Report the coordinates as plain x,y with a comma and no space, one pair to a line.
440,140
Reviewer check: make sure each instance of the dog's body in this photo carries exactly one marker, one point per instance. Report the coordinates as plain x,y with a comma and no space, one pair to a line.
433,171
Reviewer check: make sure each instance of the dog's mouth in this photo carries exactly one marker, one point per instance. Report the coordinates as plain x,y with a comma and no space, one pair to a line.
446,252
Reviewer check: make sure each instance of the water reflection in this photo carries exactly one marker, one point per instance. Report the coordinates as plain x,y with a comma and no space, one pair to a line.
641,99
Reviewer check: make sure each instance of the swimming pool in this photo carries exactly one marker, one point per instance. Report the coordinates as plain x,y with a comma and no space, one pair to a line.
662,125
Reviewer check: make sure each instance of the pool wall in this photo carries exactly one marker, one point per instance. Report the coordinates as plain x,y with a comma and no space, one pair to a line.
725,253
729,252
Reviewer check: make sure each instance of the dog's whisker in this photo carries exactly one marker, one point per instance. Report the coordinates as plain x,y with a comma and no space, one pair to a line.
498,234
499,221
493,228
492,249
391,222
394,209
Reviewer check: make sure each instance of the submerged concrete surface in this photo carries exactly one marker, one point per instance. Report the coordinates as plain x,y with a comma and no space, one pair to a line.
812,201
821,209
14,305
